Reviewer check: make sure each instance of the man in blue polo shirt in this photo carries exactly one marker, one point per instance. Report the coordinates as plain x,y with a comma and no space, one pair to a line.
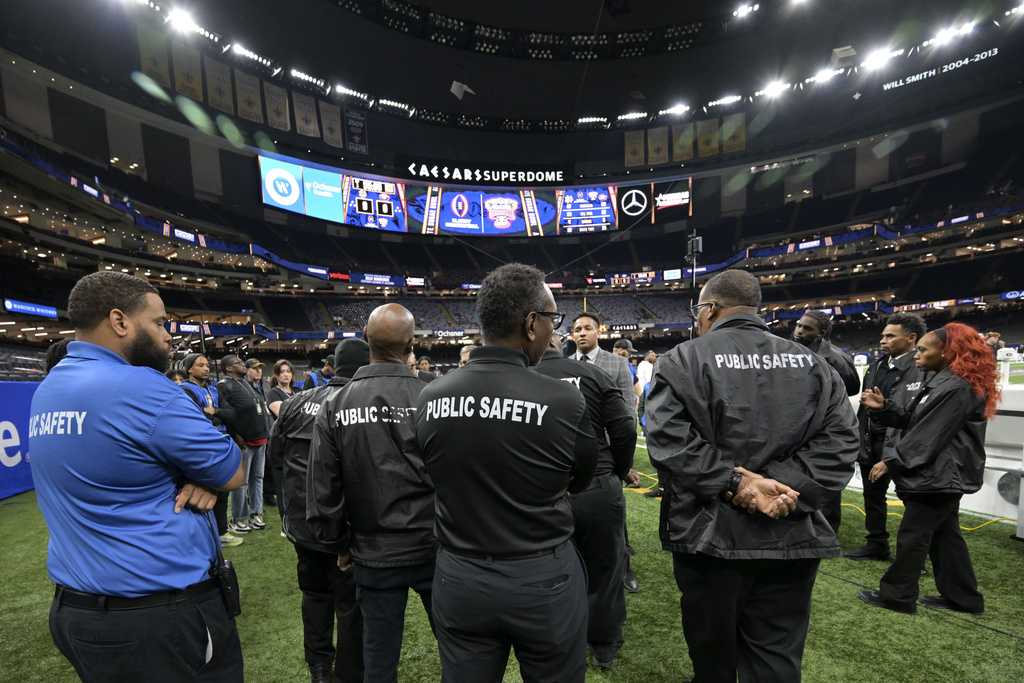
126,468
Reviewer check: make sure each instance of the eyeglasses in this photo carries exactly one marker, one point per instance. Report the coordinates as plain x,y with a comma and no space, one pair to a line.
555,317
695,309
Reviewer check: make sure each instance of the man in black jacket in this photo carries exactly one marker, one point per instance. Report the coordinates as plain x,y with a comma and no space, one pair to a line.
245,412
898,379
750,434
814,330
503,445
600,509
327,592
367,490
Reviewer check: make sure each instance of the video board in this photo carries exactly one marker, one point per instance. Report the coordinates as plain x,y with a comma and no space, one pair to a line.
390,205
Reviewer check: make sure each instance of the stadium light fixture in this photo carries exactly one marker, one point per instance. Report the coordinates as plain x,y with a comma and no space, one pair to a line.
744,11
300,76
342,90
674,110
949,34
823,76
242,51
877,59
592,121
1016,11
773,90
723,101
183,22
632,116
394,104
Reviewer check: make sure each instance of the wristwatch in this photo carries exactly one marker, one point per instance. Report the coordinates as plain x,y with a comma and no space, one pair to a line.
734,485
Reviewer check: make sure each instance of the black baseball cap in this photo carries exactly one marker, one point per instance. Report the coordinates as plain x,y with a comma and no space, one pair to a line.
628,345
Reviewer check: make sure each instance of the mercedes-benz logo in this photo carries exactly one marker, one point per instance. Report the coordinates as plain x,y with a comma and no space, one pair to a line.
634,202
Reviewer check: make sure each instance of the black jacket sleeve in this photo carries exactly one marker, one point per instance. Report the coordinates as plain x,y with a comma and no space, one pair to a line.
942,416
847,371
585,454
276,446
823,465
619,424
325,495
228,412
892,414
676,411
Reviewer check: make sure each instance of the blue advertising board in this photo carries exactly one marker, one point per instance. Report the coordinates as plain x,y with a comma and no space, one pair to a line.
28,308
15,403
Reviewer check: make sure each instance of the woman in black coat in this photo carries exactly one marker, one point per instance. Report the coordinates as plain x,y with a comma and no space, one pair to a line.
935,454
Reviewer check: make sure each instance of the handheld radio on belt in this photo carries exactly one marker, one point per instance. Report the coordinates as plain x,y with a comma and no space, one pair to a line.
227,579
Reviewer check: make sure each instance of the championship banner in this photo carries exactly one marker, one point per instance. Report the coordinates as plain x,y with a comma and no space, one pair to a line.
15,407
218,85
247,93
305,115
707,138
355,132
277,107
153,55
188,70
634,142
330,117
682,142
657,145
734,133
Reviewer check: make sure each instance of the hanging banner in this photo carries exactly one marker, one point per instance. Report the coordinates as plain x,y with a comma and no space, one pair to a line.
682,142
188,70
247,92
355,132
153,55
277,107
634,142
15,406
330,118
734,133
707,138
657,145
305,115
218,85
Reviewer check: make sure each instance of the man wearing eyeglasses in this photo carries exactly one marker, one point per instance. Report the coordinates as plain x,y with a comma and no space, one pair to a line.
751,435
503,446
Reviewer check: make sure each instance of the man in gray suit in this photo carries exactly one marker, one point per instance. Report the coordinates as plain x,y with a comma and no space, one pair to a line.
585,330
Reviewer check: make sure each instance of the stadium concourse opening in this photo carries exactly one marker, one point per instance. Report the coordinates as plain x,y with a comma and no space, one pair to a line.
312,307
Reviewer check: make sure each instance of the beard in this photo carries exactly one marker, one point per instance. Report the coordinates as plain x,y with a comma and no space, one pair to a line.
145,352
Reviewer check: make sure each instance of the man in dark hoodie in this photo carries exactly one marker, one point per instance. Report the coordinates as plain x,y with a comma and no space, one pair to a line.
328,593
368,494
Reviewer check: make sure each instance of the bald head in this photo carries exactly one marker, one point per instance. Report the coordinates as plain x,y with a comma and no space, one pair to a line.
389,332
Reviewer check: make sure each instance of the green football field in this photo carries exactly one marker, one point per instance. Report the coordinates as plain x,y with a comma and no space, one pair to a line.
848,640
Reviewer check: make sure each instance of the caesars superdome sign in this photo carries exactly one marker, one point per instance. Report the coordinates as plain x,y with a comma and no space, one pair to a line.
432,171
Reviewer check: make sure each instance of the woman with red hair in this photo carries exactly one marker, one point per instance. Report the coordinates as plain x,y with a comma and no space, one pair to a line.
936,454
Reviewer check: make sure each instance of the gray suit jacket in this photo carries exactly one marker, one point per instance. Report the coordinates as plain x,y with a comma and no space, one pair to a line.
618,370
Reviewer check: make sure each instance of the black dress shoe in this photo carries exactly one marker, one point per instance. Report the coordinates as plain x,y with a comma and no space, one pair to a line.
630,583
869,552
939,602
875,600
321,673
656,492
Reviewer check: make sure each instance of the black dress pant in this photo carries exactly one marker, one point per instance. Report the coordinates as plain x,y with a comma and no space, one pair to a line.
745,616
538,606
600,513
189,638
220,513
931,527
832,508
329,594
382,593
875,506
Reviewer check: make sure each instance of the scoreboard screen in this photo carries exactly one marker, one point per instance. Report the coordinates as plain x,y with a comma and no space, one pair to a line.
376,204
436,210
586,209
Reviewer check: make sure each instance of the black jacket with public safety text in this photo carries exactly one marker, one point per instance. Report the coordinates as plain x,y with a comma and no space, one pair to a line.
740,396
937,444
366,472
503,445
290,441
610,420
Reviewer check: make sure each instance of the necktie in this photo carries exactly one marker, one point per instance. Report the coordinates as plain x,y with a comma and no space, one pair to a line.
584,358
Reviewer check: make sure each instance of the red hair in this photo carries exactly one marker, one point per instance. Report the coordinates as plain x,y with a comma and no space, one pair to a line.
971,359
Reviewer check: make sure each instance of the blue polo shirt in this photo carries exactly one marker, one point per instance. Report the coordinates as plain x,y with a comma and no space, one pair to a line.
109,441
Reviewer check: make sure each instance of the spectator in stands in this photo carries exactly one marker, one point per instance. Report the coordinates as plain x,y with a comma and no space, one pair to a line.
464,354
56,353
244,412
813,330
645,370
197,387
937,459
318,378
175,375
